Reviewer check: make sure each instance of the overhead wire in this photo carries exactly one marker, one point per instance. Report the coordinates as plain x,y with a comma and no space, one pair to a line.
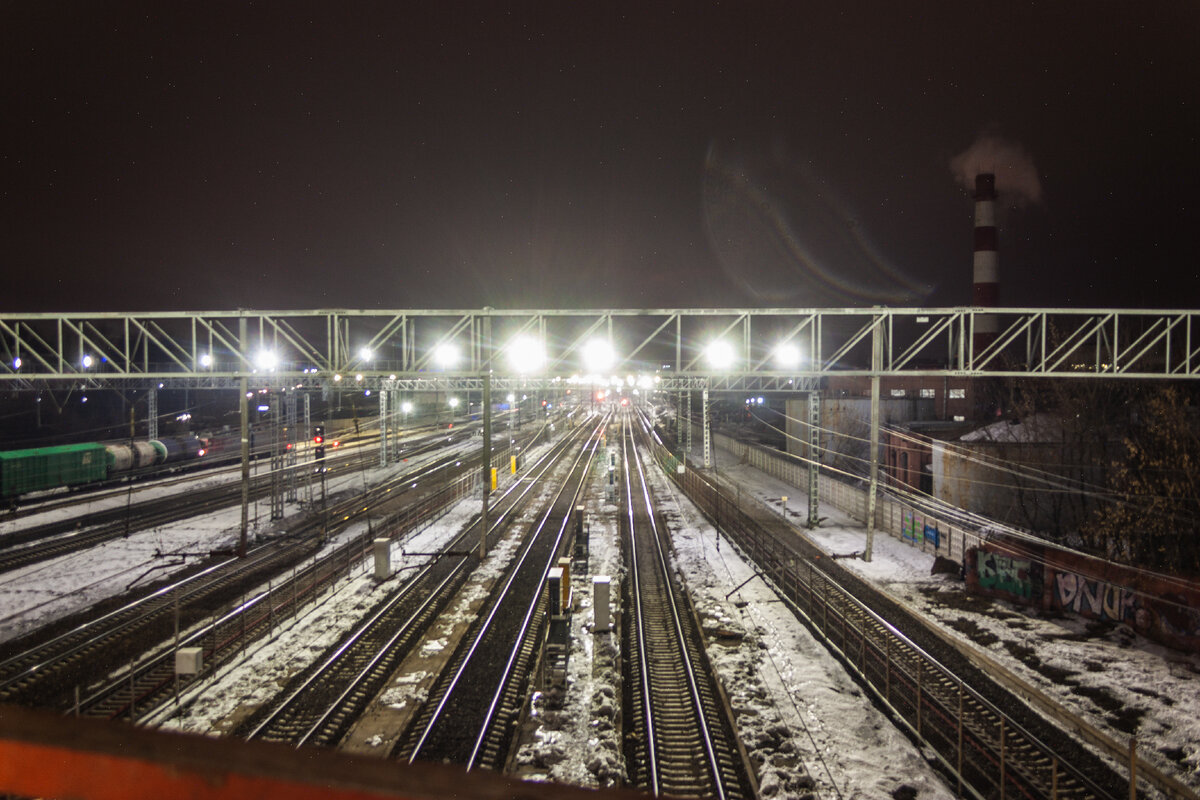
984,525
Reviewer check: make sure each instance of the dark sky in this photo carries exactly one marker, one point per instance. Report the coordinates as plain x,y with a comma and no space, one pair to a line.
284,155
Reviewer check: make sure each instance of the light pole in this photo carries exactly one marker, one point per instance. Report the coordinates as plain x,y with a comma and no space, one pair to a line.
721,357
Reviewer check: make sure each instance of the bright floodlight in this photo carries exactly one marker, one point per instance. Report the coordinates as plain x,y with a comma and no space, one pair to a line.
446,355
206,359
787,356
598,356
406,406
87,362
720,354
454,402
526,355
266,360
511,397
17,362
365,354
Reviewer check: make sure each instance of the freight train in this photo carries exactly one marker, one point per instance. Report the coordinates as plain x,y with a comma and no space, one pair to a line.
43,468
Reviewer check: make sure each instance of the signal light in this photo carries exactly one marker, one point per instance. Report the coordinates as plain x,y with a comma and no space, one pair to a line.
319,441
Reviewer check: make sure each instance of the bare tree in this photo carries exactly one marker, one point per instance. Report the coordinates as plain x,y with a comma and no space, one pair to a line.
1156,522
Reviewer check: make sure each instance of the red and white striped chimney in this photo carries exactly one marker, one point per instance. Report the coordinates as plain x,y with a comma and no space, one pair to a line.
987,261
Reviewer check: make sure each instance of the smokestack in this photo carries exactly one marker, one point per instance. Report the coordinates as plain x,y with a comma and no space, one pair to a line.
987,286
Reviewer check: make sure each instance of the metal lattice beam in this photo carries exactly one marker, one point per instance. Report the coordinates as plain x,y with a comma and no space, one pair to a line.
324,348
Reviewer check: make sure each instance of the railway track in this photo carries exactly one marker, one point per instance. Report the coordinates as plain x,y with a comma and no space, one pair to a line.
989,742
62,537
473,709
46,672
43,542
322,704
680,739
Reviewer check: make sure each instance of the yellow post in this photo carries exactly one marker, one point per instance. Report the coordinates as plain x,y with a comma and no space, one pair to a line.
493,479
513,459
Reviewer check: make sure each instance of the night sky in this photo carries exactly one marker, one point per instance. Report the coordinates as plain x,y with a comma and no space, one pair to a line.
208,155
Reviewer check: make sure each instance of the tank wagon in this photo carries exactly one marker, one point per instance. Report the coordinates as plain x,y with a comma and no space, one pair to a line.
42,468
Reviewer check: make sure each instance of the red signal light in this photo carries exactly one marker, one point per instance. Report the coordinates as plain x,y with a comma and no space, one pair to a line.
318,439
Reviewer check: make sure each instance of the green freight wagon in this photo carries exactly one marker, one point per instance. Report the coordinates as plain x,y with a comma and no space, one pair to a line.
43,468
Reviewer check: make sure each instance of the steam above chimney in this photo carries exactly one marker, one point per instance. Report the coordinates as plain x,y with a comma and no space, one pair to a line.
987,261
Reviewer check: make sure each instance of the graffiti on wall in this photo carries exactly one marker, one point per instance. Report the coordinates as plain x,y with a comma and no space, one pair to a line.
932,535
1094,598
1005,574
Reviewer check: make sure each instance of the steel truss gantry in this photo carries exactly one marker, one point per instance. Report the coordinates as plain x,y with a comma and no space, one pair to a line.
347,348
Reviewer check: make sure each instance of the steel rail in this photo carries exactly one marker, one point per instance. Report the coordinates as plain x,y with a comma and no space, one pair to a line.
891,670
587,451
38,663
631,456
416,741
511,499
153,674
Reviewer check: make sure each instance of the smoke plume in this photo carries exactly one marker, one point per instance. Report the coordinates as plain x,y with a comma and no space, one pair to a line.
1017,181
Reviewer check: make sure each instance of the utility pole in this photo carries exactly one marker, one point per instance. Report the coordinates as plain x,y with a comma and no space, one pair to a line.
487,434
872,489
244,408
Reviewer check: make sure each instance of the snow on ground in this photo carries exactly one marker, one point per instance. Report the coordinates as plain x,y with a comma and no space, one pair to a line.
217,704
575,737
50,590
1119,681
796,705
799,714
